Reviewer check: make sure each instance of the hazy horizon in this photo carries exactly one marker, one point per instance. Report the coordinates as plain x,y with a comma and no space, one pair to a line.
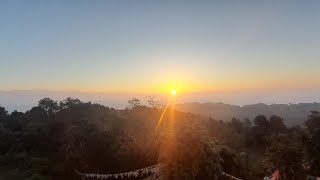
23,100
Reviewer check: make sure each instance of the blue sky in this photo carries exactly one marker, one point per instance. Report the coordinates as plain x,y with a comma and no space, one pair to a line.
149,46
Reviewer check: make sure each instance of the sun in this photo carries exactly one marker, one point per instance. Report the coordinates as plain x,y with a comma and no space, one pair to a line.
173,92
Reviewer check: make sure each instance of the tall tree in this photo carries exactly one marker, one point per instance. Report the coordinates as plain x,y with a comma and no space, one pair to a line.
66,103
262,122
134,102
286,154
236,124
261,130
276,124
3,113
190,154
313,145
48,105
313,122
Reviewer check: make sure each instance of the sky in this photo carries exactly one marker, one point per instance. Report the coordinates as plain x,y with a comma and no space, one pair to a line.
202,48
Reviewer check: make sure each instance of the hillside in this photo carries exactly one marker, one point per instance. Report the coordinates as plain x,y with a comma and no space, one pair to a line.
55,138
293,114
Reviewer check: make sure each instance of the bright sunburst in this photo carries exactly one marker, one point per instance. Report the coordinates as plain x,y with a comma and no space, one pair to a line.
173,92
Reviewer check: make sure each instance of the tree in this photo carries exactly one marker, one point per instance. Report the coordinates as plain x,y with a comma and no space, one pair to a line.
48,105
236,124
36,114
313,122
313,147
276,124
134,102
189,154
14,121
155,102
67,103
286,154
228,156
262,122
261,130
7,139
3,113
247,123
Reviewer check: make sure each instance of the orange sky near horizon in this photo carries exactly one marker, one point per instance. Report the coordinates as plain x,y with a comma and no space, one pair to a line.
152,48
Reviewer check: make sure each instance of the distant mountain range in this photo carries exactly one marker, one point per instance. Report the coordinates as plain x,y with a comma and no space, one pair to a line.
293,114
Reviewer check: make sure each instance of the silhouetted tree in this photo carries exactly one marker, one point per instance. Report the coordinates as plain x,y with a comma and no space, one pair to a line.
14,122
247,123
285,154
3,113
313,144
64,104
313,122
155,102
313,147
236,124
50,141
134,102
190,154
262,122
48,105
276,124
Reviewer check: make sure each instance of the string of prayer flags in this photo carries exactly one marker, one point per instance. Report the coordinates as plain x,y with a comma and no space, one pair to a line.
135,173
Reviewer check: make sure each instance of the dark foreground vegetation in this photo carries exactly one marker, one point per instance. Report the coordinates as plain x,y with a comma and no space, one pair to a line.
54,138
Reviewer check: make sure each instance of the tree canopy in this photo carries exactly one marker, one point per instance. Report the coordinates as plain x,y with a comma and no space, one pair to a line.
56,137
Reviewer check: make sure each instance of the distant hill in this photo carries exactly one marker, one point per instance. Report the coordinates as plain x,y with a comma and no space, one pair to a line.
293,114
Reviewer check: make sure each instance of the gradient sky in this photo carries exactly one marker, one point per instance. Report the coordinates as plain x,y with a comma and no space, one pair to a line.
151,47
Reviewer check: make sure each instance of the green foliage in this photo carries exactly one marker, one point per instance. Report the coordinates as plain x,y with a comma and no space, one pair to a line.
276,124
7,138
262,122
313,122
69,102
52,139
313,142
313,147
3,113
236,124
190,154
48,105
284,153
